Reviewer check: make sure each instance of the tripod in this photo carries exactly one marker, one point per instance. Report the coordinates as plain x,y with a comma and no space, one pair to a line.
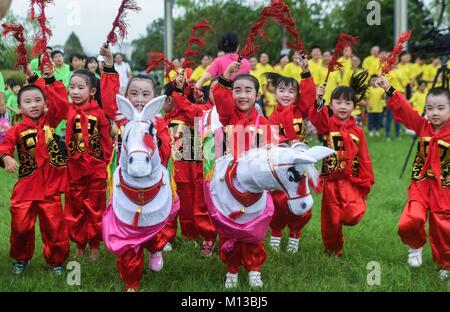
445,73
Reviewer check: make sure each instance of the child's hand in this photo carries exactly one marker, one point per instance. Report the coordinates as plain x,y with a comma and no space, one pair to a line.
29,71
320,91
47,71
180,80
11,165
382,82
105,51
231,69
304,63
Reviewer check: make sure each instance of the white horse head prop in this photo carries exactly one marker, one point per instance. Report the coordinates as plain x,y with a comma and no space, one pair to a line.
139,155
285,169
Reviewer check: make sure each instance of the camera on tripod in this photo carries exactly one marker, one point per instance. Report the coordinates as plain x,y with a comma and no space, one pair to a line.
434,40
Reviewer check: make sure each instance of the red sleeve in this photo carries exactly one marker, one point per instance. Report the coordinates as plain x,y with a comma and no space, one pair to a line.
106,140
404,112
307,95
164,140
8,145
110,87
191,110
57,102
320,120
223,97
366,178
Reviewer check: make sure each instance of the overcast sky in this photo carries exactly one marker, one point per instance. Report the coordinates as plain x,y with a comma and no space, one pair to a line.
91,20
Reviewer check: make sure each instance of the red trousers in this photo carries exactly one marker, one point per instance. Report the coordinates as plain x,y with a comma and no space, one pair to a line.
85,205
283,216
251,256
194,217
52,225
342,204
426,200
131,265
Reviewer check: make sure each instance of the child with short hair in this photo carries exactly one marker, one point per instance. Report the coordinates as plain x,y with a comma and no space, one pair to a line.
429,191
347,175
42,173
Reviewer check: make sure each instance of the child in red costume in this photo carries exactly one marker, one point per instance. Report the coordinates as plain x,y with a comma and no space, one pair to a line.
89,147
181,116
428,196
235,102
293,102
42,173
139,91
348,174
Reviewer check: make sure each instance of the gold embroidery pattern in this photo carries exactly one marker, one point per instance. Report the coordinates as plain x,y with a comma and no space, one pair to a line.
334,162
27,164
421,156
299,128
56,157
76,142
96,147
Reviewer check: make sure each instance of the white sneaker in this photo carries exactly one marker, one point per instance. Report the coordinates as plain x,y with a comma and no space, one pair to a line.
443,275
275,243
156,262
292,246
254,279
377,133
415,257
232,280
371,133
168,247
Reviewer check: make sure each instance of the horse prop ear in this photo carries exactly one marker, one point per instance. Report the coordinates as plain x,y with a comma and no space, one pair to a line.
152,108
125,107
319,152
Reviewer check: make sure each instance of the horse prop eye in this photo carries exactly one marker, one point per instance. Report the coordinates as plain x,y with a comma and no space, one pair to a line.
293,175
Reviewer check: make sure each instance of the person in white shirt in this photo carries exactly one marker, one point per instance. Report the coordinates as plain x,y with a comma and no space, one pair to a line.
124,70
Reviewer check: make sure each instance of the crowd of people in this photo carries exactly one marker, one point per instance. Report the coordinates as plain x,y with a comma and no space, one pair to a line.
65,130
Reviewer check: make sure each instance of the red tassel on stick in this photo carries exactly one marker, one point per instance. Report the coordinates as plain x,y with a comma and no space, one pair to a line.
281,12
156,59
388,64
344,41
196,40
42,38
22,54
119,26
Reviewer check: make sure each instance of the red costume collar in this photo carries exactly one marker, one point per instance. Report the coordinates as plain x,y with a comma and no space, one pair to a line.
245,198
140,196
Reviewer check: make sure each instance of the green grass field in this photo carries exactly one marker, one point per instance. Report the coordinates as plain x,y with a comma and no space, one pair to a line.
374,239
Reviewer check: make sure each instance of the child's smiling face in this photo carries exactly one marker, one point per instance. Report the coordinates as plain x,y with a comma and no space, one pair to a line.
244,94
437,110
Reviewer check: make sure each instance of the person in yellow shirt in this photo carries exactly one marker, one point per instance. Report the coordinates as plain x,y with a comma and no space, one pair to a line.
430,72
262,68
282,62
253,60
199,71
419,97
346,61
270,101
372,62
294,69
406,68
315,66
334,79
375,102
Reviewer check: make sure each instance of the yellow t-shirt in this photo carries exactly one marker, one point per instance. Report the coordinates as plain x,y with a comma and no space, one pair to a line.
372,65
270,102
375,97
334,81
429,73
317,72
398,78
198,73
278,69
293,70
418,100
263,69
